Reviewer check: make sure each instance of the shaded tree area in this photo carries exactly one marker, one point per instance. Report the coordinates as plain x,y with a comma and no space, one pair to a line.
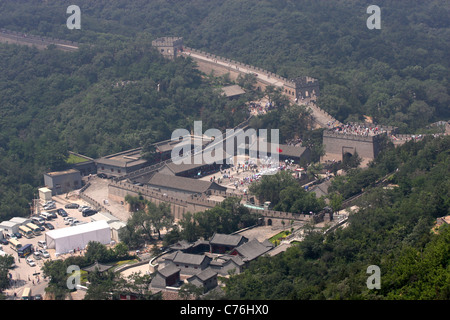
227,217
106,285
6,261
146,219
398,75
103,98
392,231
286,194
96,101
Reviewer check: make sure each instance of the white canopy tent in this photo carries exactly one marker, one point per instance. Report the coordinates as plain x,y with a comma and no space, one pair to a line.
70,238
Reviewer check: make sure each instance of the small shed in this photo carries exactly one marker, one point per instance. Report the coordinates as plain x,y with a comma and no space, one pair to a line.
207,279
97,266
252,250
189,263
20,220
221,243
116,226
45,194
63,181
232,92
166,277
10,226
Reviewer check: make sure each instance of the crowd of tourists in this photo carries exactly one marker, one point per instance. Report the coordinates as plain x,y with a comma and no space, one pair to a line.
356,129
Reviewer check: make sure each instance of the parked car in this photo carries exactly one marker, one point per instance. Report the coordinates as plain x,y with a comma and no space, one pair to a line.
49,202
41,228
53,215
81,208
49,206
62,212
30,262
49,226
42,244
89,212
46,215
17,235
10,236
72,206
38,297
44,253
67,220
37,220
102,175
37,255
3,241
73,222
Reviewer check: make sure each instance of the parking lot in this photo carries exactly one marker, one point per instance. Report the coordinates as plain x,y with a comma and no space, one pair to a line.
24,275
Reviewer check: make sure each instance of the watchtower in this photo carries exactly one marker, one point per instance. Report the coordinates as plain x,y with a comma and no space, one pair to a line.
306,87
364,139
169,47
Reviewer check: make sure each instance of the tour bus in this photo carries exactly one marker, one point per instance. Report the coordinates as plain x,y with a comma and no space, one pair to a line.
36,230
25,251
26,232
15,244
26,294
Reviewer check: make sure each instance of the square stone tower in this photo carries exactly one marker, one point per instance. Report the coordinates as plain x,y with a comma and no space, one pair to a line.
306,87
169,47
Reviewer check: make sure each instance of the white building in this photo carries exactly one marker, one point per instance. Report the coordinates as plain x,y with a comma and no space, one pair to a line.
66,239
19,220
10,226
114,223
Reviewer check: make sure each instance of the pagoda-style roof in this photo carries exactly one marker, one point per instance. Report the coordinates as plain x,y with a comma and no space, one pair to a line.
100,267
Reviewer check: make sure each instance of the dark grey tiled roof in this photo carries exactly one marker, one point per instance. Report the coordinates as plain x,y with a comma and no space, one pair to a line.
100,267
227,239
233,90
188,258
168,271
182,183
252,249
206,274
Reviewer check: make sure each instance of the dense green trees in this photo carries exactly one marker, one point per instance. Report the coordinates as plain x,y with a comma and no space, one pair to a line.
286,194
390,74
5,264
392,230
103,285
146,219
104,99
96,101
227,217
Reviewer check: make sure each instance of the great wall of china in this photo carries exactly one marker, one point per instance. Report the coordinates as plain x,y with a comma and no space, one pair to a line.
210,63
40,42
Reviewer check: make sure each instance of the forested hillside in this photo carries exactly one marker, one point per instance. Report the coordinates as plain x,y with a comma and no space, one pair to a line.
392,231
397,75
99,100
104,99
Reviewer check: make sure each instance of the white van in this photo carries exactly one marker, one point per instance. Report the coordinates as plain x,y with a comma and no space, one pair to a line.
42,244
46,215
37,220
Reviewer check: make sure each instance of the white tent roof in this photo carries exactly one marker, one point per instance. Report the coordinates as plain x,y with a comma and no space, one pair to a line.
65,239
